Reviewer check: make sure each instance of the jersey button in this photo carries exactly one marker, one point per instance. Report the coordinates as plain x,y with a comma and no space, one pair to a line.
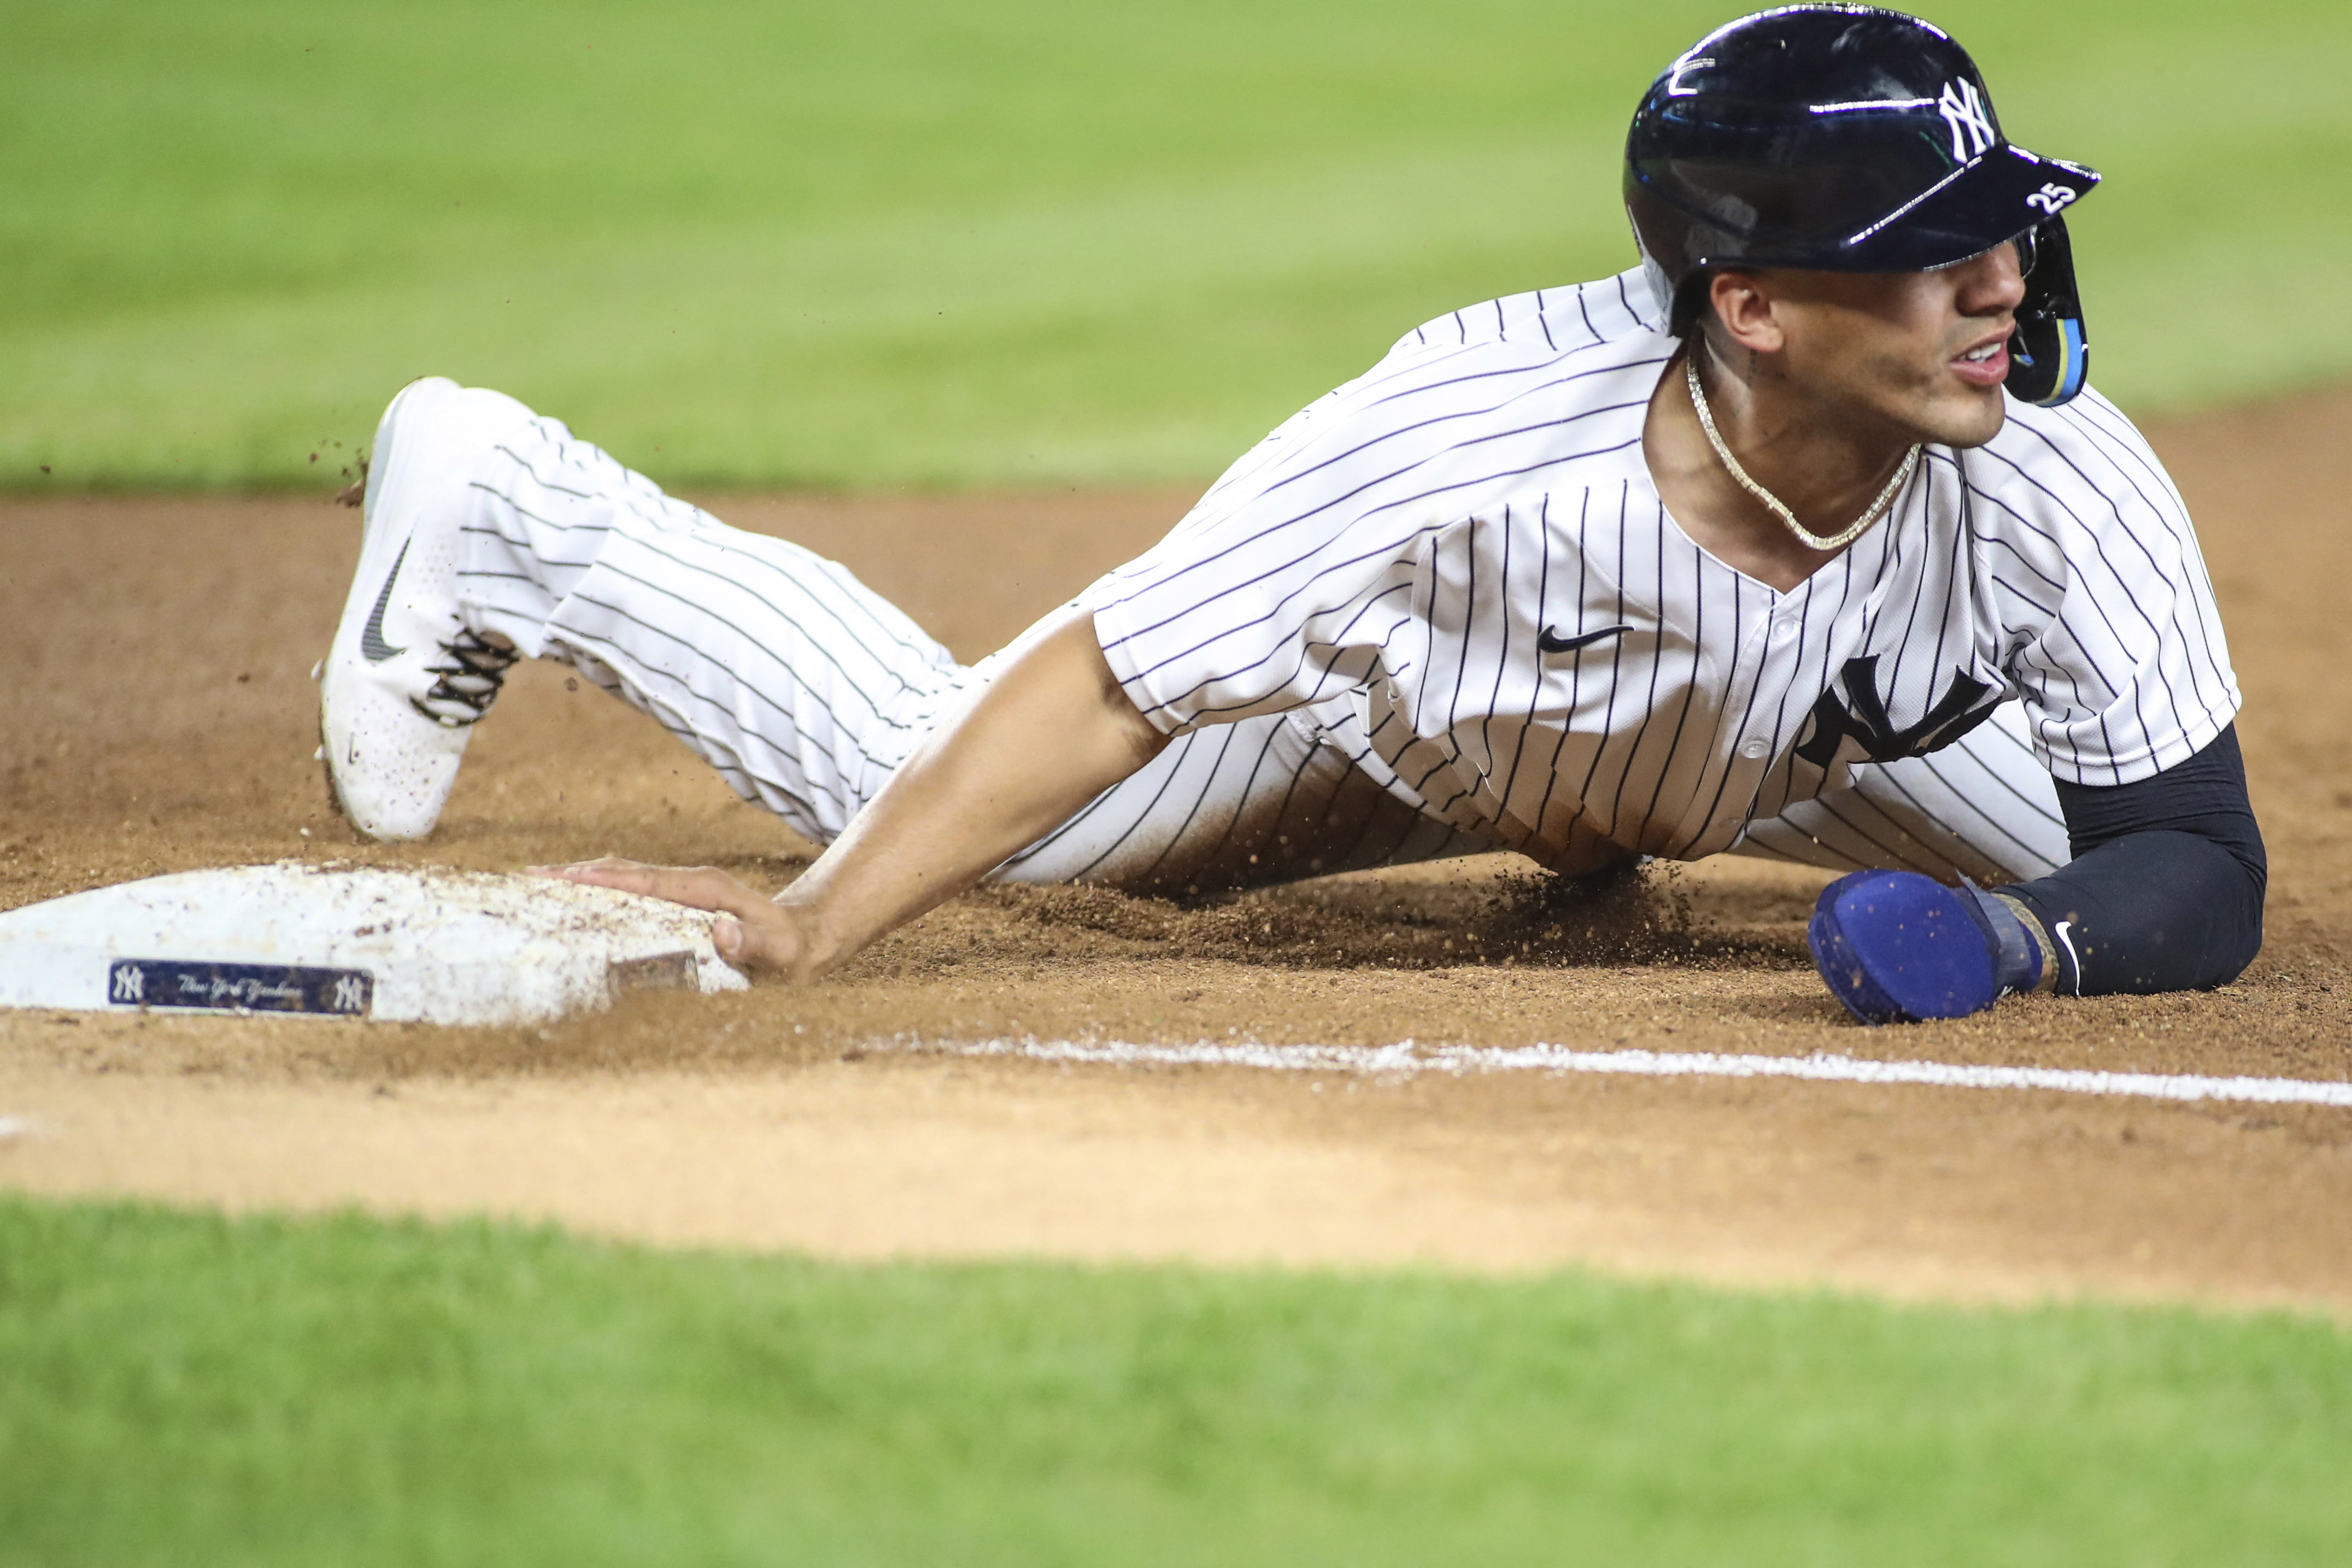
1755,748
1783,630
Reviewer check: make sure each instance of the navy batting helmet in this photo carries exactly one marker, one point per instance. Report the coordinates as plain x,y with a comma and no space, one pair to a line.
1849,139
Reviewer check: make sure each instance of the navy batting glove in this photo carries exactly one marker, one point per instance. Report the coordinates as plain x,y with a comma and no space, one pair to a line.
1898,947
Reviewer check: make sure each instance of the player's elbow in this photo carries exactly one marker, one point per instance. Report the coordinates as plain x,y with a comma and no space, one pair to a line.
2233,943
2196,927
1144,739
2236,889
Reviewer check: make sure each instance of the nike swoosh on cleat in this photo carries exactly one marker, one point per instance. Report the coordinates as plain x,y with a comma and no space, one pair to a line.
372,647
1552,642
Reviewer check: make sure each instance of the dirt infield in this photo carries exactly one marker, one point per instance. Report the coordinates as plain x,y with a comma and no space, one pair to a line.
160,719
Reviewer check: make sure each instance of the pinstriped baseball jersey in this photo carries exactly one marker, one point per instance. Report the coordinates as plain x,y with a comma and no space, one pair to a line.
1464,547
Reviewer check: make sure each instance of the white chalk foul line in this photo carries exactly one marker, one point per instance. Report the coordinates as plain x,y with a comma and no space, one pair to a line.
1406,1057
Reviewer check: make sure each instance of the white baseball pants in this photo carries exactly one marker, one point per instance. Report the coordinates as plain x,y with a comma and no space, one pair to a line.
806,690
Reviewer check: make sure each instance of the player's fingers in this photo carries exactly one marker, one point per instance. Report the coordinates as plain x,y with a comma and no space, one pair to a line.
696,887
751,932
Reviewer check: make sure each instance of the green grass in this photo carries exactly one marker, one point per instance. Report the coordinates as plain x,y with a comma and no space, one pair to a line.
188,1389
913,241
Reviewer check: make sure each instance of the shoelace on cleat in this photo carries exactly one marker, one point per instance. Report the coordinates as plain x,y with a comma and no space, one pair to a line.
466,684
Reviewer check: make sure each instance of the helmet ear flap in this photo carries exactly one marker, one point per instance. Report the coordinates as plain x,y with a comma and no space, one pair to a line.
1681,300
1691,305
1662,283
2050,351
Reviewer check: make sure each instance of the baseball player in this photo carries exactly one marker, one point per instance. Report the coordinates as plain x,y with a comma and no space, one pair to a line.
1803,540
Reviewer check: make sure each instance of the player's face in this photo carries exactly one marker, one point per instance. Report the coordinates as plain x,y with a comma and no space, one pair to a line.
1924,352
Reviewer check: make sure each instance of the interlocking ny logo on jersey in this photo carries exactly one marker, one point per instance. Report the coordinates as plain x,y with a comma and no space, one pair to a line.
1865,720
1963,109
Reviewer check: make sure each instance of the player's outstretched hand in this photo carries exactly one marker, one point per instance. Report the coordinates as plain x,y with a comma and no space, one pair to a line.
1898,947
751,932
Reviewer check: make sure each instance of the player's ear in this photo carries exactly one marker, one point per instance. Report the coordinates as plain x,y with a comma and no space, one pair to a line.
1743,306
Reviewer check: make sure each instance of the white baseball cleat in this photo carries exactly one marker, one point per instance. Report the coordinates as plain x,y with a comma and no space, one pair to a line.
407,679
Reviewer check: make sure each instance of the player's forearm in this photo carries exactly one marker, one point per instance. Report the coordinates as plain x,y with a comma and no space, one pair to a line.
2165,891
2154,912
1051,731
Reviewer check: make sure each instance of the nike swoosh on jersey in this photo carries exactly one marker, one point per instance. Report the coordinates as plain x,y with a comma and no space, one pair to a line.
372,647
1552,642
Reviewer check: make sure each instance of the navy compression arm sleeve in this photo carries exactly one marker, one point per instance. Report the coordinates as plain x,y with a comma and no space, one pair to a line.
2165,891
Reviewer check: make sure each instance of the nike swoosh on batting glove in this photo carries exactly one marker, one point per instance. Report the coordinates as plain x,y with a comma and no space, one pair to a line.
1895,946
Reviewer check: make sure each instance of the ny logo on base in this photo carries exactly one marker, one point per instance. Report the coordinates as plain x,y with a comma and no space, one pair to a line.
1963,109
1868,723
240,988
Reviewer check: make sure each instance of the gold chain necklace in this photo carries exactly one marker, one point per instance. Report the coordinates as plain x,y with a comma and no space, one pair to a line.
1805,536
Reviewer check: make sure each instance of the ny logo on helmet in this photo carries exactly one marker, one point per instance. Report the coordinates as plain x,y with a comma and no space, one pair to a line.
1963,109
